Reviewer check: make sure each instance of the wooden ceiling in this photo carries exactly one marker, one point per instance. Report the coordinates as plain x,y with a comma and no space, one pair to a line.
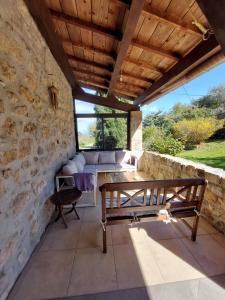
130,48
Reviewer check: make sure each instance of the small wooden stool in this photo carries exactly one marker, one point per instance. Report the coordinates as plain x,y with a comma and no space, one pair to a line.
66,197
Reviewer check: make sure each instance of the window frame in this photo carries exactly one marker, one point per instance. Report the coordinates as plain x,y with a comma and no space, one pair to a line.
101,116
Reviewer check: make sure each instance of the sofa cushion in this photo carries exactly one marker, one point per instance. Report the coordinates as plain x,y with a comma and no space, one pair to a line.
105,167
91,157
107,157
122,156
70,168
90,169
80,162
124,167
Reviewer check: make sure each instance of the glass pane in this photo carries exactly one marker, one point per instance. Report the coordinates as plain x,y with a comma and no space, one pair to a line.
87,131
115,133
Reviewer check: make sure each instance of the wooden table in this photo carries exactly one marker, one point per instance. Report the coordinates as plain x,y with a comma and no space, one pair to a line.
66,197
129,176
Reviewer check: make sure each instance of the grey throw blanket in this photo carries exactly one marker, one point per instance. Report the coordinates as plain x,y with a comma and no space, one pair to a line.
84,181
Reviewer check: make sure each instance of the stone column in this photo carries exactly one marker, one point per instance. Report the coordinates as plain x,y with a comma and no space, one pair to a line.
136,131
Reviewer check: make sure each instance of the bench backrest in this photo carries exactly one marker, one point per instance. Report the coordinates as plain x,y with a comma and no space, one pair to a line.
137,196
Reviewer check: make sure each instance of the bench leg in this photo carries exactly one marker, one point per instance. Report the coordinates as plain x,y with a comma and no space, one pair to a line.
194,228
104,240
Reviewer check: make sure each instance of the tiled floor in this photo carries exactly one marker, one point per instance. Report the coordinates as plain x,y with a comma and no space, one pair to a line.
154,260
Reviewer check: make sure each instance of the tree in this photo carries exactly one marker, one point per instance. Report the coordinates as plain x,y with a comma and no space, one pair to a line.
114,133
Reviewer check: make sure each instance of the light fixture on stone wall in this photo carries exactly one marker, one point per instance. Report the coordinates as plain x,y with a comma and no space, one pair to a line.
53,92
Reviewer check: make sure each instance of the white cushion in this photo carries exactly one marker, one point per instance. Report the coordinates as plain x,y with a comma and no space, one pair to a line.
70,168
107,157
91,157
122,156
105,167
80,162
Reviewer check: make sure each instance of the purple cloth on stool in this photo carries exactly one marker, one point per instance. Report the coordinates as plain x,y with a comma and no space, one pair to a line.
83,181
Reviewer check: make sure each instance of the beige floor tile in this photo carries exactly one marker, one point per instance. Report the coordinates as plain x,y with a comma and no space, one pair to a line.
92,214
203,228
120,234
209,254
91,236
58,237
93,272
175,261
47,276
135,267
220,238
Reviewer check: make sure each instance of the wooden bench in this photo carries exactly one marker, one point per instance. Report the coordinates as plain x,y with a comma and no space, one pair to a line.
156,199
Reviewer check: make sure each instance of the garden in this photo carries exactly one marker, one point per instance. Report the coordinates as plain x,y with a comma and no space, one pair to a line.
195,131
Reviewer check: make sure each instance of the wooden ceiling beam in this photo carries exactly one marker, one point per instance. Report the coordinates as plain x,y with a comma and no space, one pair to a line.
111,56
109,101
144,64
184,65
89,73
107,32
42,18
132,20
126,93
214,12
148,11
132,76
156,50
90,63
123,4
94,83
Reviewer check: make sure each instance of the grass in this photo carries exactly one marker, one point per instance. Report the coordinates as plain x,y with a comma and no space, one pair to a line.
210,153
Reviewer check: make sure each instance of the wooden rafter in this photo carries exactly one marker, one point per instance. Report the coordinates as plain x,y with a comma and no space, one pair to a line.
156,50
42,17
118,91
92,87
144,64
86,25
89,73
90,63
184,65
94,83
90,49
140,78
133,17
148,11
109,101
214,12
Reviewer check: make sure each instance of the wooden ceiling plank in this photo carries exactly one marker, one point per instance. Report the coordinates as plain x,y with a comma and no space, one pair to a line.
82,71
184,64
91,49
143,64
156,50
42,18
214,12
90,63
133,17
148,11
109,101
86,25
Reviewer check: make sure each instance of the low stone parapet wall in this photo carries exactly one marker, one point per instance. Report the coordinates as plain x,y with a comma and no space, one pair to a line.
161,166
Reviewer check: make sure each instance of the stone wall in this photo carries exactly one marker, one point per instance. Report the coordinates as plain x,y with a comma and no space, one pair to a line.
165,167
136,131
34,139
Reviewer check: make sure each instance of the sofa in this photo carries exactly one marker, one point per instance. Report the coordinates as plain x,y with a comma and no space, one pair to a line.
91,163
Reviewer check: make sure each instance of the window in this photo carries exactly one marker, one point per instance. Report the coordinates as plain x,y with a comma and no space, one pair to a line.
102,131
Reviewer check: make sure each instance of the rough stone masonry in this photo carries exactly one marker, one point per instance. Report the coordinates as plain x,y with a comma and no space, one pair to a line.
34,139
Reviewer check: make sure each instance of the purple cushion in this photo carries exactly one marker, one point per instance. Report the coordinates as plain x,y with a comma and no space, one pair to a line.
107,157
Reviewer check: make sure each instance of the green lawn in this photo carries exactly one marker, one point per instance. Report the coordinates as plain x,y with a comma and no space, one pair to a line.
210,153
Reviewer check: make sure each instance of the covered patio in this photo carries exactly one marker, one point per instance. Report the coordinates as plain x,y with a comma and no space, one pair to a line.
53,53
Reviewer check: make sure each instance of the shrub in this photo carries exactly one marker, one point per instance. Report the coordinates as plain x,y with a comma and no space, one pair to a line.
156,139
193,132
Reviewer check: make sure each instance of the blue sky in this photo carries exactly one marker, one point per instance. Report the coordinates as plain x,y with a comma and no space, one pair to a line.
184,94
